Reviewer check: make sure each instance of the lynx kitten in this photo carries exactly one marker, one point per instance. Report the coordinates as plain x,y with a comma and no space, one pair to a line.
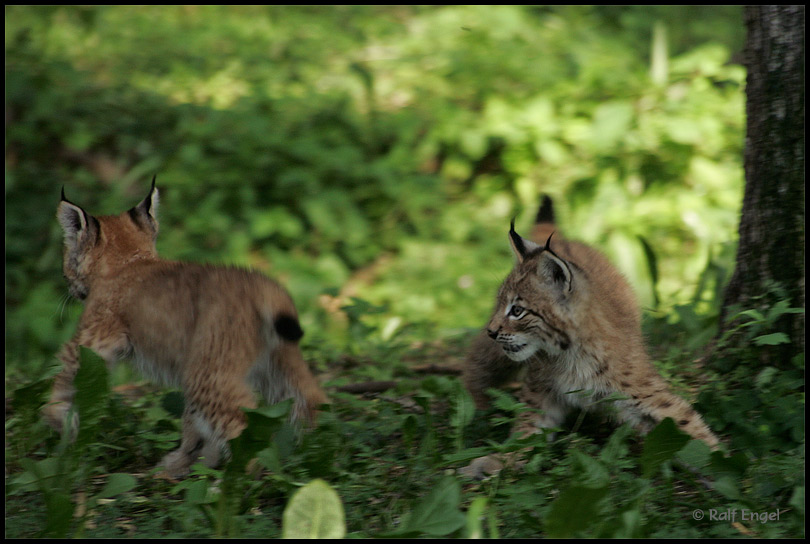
214,331
567,319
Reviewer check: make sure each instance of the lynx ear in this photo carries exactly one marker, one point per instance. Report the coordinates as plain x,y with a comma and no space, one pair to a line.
555,269
77,224
145,214
520,246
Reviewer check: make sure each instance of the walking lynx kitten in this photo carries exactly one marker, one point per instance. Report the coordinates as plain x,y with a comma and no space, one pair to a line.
213,331
568,320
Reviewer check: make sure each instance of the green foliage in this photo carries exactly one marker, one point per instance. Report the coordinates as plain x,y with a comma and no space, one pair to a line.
660,445
316,142
388,459
57,477
475,515
574,510
371,157
314,511
762,407
438,514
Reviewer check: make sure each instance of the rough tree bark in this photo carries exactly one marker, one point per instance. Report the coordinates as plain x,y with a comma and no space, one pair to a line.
771,245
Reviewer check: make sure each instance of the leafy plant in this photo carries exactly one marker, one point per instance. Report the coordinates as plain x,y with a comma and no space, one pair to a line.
371,157
56,478
314,511
437,515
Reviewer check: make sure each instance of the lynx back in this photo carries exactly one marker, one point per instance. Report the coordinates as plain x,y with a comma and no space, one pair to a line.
216,332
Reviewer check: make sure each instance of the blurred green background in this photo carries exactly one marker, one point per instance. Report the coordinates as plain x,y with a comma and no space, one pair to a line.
376,152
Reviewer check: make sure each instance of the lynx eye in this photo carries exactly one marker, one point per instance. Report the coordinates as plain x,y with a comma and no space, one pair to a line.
516,311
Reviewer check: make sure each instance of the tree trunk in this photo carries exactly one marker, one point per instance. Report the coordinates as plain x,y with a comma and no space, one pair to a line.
771,245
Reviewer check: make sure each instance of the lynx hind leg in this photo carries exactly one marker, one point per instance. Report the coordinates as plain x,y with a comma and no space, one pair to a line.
283,374
177,463
660,404
212,417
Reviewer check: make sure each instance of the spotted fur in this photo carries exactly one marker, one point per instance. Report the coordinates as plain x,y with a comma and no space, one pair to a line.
216,332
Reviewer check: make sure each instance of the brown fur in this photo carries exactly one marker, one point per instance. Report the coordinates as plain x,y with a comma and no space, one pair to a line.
213,331
568,320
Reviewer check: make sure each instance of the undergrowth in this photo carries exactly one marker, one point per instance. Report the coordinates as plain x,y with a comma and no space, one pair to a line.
383,464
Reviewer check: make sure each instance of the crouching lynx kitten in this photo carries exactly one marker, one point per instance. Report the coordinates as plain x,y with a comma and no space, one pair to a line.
213,331
567,318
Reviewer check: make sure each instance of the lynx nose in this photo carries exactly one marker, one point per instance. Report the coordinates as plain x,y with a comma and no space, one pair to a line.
492,334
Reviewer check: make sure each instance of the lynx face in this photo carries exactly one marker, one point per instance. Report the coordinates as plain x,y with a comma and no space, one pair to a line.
533,305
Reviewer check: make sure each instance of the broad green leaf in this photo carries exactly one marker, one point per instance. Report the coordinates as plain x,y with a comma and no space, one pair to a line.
577,508
116,484
92,394
772,339
733,465
262,424
60,514
695,454
755,315
438,514
475,517
314,511
661,445
765,376
35,473
727,486
196,491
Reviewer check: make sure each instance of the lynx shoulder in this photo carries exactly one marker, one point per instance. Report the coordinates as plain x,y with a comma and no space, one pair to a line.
567,320
216,332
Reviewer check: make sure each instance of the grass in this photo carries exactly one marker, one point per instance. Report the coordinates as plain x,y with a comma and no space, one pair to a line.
391,457
390,454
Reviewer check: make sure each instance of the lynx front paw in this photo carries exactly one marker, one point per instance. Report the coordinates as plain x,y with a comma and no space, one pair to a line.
482,467
56,415
176,464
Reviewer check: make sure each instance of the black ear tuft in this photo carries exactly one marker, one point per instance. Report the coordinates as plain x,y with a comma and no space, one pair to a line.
144,215
548,242
64,198
288,328
517,240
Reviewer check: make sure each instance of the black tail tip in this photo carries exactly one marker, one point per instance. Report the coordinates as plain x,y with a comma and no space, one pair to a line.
288,328
546,212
